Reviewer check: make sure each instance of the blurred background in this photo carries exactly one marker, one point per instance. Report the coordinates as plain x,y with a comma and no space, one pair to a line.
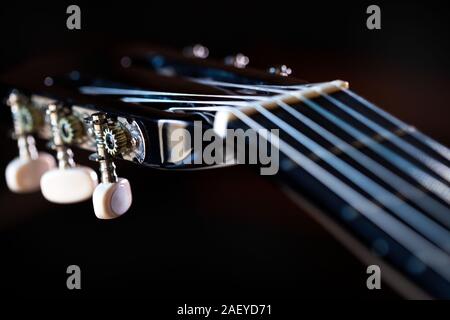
226,234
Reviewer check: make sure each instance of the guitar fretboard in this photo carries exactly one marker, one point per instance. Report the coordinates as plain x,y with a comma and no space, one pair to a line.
381,179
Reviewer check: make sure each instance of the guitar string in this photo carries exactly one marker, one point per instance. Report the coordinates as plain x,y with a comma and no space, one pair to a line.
208,102
237,85
92,90
439,168
355,143
410,215
421,199
291,87
421,247
422,177
427,181
433,144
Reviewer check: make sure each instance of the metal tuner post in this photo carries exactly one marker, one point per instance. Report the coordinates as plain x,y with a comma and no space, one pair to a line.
23,173
112,197
68,183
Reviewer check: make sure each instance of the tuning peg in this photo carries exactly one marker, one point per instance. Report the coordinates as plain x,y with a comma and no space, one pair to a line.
282,70
238,60
112,197
68,183
24,172
111,200
196,51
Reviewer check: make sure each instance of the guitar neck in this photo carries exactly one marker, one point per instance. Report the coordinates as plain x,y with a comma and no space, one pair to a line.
377,182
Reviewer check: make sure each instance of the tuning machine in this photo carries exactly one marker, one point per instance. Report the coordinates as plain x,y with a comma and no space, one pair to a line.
23,173
112,197
196,51
238,60
281,70
71,129
69,183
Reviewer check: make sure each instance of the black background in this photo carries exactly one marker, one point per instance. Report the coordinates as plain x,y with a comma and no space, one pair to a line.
224,235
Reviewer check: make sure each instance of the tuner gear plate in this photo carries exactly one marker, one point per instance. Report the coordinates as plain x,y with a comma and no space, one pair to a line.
70,128
115,140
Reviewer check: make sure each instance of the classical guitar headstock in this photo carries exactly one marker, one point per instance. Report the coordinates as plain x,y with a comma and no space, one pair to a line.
123,106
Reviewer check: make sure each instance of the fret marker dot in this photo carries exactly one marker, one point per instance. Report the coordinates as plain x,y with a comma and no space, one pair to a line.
381,247
348,213
415,266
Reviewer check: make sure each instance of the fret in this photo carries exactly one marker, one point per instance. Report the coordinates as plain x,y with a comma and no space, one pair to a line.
358,144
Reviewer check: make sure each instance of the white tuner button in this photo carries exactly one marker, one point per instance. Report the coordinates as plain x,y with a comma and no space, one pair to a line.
113,199
24,175
68,185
